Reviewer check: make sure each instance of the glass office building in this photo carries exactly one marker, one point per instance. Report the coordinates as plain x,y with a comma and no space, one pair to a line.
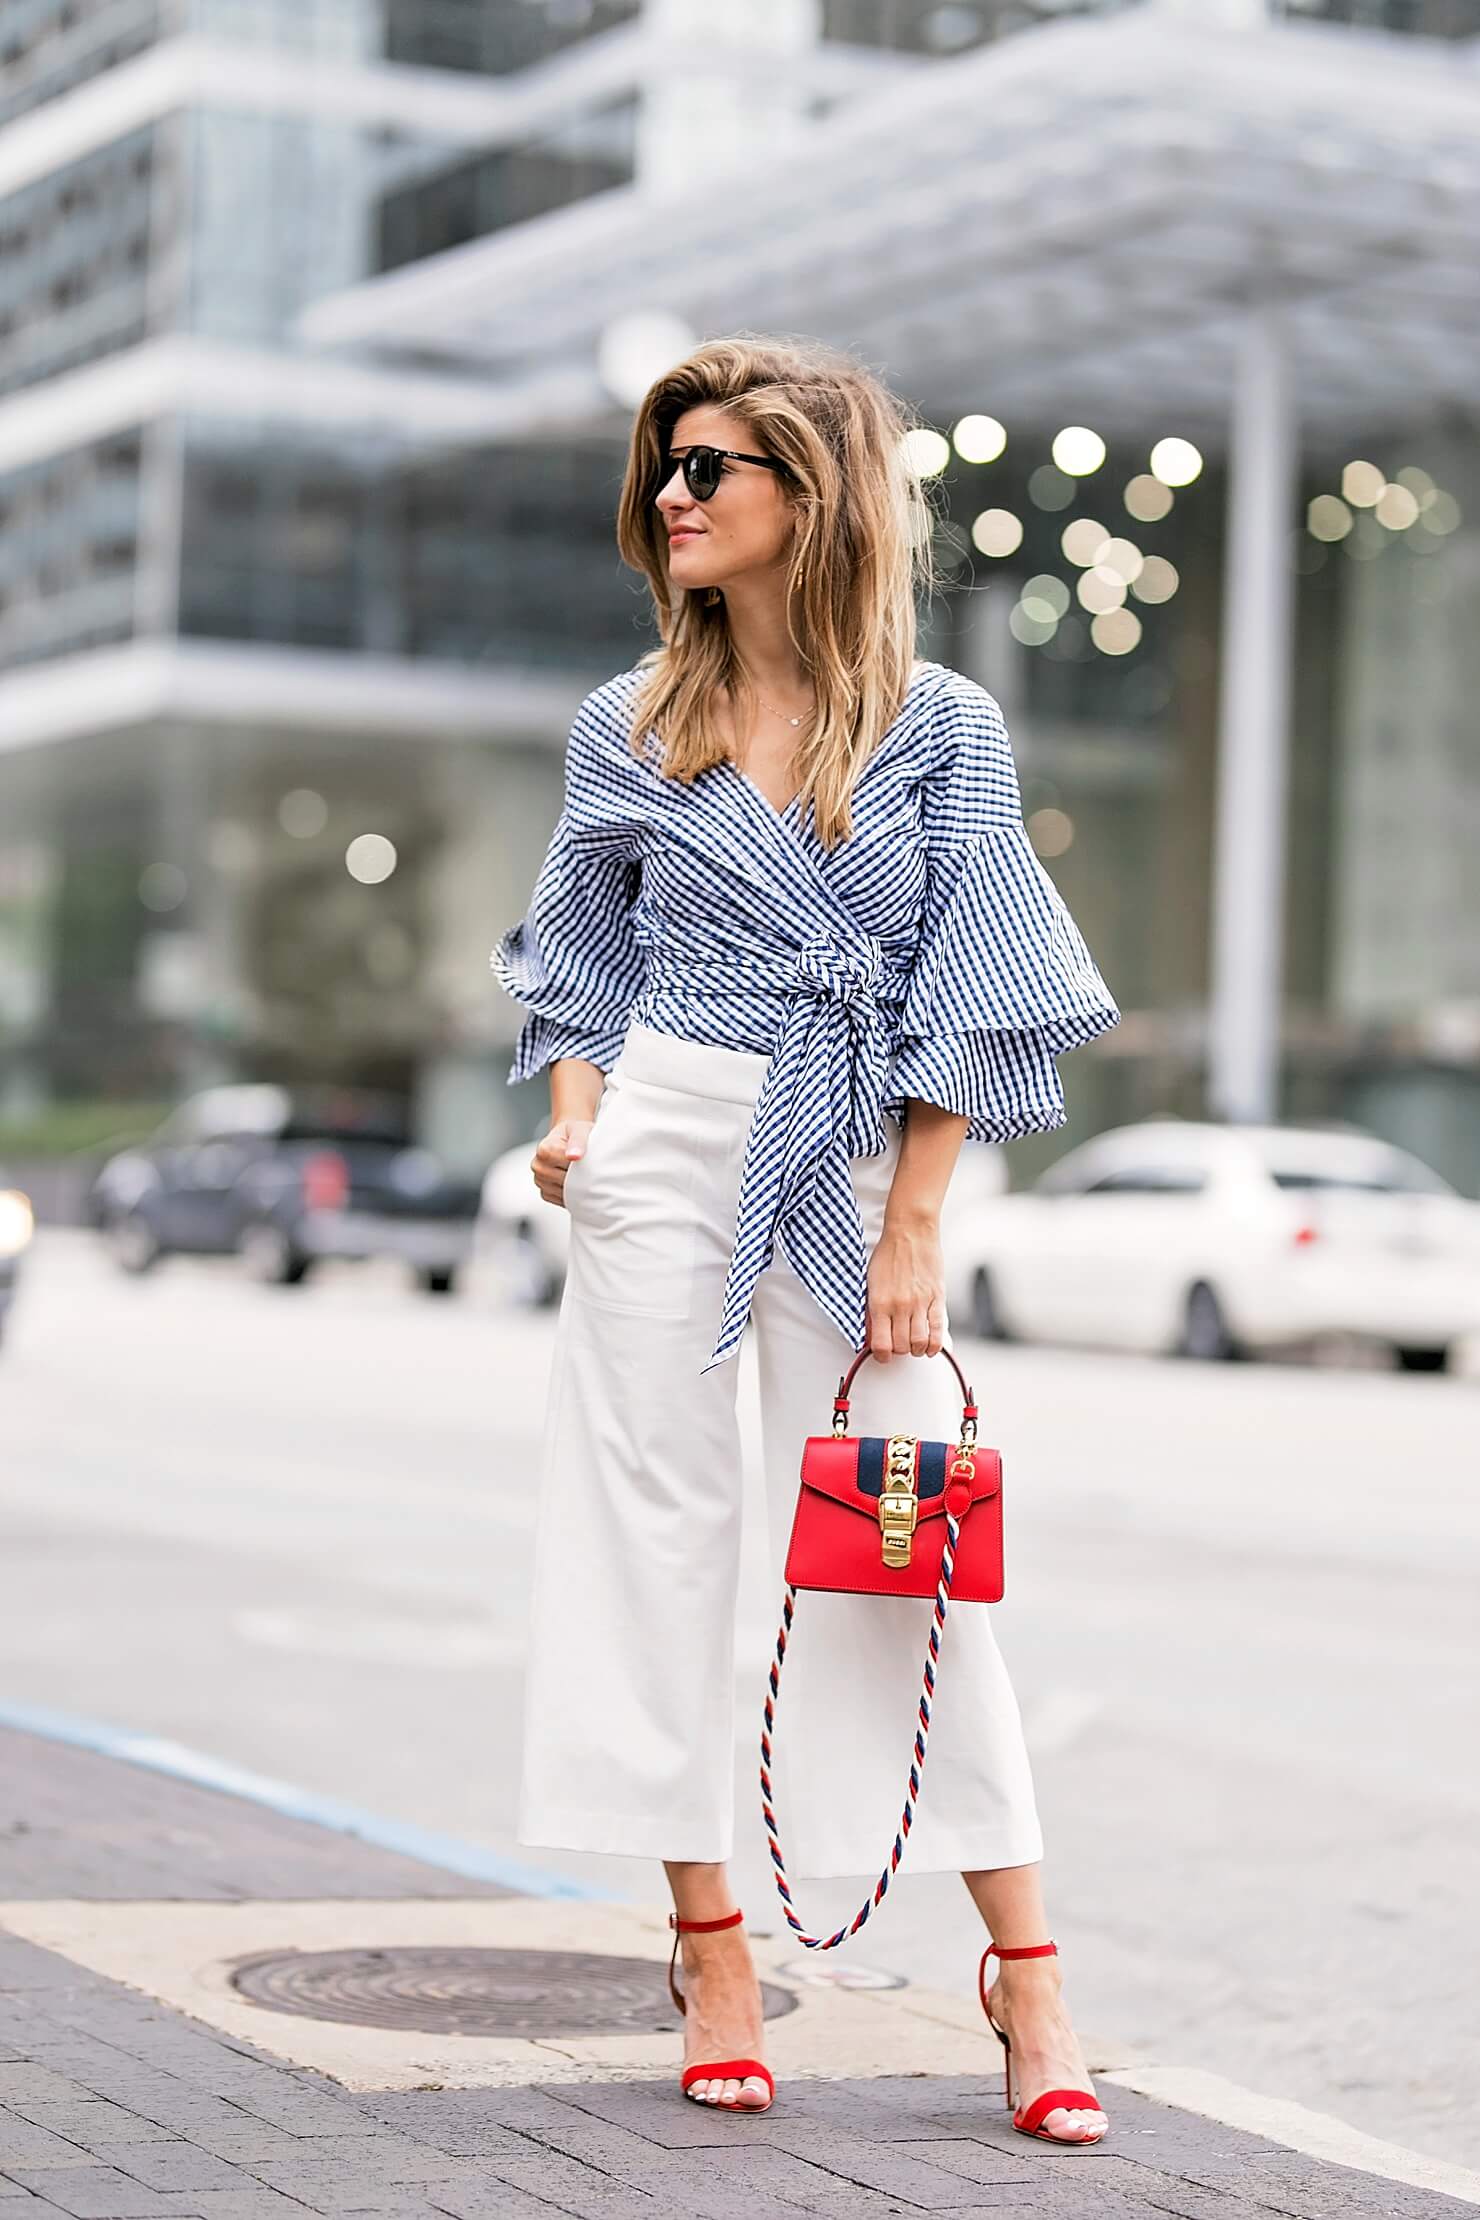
308,459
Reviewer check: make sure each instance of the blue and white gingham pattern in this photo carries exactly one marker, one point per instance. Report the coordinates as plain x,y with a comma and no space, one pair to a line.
929,956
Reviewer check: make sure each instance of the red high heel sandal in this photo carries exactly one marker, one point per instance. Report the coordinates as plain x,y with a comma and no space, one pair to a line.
1029,2119
723,2069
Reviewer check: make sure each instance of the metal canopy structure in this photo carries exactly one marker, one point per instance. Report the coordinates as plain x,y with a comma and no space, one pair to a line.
1265,237
1069,225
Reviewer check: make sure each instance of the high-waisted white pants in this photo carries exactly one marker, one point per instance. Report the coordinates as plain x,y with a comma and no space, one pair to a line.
629,1708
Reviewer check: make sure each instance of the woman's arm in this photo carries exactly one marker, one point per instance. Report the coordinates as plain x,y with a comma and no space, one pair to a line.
575,1090
573,959
906,1274
1002,985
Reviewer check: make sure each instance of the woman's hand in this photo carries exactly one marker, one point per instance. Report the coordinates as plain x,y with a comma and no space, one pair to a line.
906,1289
906,1310
559,1147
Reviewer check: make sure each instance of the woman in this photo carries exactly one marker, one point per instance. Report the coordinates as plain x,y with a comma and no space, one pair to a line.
788,947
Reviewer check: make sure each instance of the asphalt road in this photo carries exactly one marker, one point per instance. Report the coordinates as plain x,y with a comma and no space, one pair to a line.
291,1528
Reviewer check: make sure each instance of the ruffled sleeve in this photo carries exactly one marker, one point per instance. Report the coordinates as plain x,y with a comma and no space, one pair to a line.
1003,982
574,960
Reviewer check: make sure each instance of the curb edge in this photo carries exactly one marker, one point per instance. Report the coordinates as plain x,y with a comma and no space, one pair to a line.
160,1754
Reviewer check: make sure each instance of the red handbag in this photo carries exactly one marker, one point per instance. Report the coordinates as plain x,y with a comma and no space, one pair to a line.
888,1515
871,1511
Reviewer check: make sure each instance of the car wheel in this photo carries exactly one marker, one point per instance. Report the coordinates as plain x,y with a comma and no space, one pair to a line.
1205,1334
437,1282
533,1279
270,1256
1422,1360
132,1241
986,1319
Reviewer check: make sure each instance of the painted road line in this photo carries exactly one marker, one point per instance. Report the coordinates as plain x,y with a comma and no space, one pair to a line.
161,1755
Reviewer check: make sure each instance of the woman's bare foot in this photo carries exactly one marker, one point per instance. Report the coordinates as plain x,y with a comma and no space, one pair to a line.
1026,2002
724,2017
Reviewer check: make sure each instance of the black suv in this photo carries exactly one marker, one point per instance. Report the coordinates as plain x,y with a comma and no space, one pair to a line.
284,1175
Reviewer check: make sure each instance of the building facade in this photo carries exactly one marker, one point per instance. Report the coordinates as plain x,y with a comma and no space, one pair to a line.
310,442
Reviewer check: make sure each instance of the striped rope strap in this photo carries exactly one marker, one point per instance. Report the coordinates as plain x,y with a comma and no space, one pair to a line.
917,1765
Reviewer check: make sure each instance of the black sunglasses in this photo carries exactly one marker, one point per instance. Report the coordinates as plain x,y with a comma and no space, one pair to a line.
703,467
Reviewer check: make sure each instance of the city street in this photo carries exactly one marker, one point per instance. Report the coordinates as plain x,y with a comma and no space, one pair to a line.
290,1527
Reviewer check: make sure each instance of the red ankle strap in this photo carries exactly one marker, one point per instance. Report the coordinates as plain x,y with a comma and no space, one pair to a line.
693,1927
703,1926
1030,1950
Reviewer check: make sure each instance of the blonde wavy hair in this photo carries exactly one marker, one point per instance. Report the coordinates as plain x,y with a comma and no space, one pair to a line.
860,551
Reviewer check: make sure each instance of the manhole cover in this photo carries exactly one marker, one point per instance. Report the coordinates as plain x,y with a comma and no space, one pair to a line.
814,1974
473,1992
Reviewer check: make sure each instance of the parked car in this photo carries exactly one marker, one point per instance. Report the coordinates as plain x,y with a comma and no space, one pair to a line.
1212,1240
525,1238
17,1223
284,1176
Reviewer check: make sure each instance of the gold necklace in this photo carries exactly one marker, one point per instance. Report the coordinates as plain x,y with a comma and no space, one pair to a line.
782,713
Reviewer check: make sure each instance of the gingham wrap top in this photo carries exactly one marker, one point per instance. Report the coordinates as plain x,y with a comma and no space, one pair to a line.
929,956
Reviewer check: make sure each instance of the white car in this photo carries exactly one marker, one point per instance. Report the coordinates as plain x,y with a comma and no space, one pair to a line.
523,1240
1210,1240
520,1237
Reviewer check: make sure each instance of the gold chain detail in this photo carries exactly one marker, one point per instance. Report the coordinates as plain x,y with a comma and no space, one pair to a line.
898,1503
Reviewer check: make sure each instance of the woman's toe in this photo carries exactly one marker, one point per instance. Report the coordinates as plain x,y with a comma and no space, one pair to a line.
753,2093
1066,2124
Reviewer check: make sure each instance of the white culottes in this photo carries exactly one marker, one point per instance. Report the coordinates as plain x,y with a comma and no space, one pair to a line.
629,1728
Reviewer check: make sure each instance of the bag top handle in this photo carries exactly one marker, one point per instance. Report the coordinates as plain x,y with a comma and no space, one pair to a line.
969,1412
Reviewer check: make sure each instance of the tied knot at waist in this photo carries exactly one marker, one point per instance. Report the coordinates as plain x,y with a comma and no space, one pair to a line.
851,970
839,981
820,1104
831,970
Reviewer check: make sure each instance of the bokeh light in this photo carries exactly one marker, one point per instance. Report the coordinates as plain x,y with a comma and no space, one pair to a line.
1157,579
1147,499
926,451
1176,462
1050,488
1051,831
979,439
1078,450
1328,518
997,532
1123,556
1032,624
162,886
635,349
1082,539
1101,588
1116,631
370,857
1396,508
1051,591
1362,484
303,813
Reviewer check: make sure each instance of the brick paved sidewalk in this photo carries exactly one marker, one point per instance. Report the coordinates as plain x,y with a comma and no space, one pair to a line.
117,2106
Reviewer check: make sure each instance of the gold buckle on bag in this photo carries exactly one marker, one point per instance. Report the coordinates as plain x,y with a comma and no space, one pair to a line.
898,1504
